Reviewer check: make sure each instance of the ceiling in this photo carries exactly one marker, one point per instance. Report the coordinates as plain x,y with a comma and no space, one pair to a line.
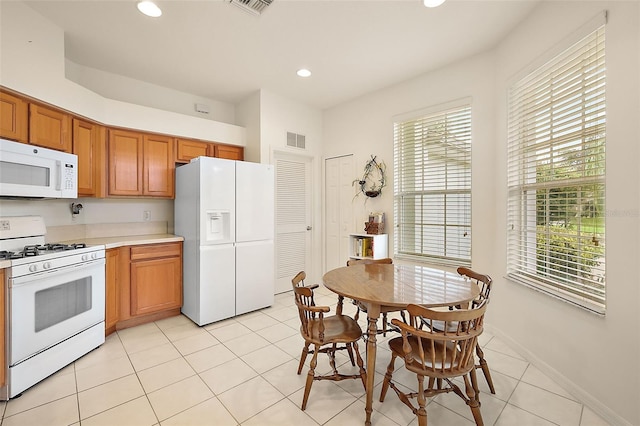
214,49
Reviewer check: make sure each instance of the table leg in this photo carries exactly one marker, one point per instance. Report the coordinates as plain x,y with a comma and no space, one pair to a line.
373,312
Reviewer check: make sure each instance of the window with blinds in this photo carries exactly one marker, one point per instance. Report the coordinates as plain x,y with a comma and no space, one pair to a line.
432,187
556,176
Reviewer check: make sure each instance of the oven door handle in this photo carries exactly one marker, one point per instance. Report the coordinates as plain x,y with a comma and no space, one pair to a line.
26,279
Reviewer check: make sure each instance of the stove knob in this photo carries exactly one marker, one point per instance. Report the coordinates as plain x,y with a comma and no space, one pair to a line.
85,257
94,255
46,265
33,268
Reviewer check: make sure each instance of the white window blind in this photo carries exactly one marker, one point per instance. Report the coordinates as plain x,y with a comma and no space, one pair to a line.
432,187
556,176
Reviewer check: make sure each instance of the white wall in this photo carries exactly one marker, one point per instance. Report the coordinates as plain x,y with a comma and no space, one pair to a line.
279,115
95,210
138,92
248,116
596,358
364,127
32,62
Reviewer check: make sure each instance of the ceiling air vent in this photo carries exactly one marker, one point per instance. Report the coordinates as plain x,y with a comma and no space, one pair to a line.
295,140
255,7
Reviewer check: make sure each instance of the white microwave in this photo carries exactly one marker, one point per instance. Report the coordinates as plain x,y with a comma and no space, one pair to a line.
33,172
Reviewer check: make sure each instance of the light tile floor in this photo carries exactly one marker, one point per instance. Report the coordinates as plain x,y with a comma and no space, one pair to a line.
243,371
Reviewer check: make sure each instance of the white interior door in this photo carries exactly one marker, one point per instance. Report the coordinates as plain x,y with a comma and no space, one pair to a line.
293,218
339,192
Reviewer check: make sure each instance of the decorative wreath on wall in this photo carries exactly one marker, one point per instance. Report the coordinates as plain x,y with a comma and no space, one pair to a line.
373,179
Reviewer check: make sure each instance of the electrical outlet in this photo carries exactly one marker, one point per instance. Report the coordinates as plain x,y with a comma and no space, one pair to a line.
146,215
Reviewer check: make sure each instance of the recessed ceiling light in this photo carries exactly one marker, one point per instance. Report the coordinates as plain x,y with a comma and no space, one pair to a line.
432,3
303,72
149,8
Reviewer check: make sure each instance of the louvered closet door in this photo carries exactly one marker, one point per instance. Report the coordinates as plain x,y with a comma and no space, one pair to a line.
293,218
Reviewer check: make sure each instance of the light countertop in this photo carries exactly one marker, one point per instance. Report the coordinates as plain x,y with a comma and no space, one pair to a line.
132,240
120,241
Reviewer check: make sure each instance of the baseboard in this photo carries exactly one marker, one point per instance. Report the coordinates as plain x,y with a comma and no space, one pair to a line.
578,392
144,319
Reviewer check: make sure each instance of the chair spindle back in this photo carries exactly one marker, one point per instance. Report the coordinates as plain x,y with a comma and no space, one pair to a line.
442,352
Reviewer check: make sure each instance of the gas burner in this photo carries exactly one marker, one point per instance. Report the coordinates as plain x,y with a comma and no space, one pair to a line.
36,249
8,255
31,250
55,247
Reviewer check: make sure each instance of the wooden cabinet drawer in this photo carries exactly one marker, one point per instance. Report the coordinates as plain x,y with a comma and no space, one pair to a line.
152,251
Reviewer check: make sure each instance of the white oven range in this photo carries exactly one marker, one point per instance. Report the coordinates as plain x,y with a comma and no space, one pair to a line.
55,305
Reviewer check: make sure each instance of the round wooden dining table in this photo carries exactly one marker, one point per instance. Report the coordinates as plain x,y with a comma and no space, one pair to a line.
388,286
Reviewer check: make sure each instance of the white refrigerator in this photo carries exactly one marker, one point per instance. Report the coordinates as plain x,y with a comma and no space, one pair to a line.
224,209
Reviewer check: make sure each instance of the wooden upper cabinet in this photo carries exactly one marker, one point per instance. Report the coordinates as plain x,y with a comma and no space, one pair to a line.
125,162
49,128
140,164
229,152
14,117
186,150
159,167
89,145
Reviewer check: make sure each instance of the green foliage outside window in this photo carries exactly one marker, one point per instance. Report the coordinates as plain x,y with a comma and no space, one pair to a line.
570,217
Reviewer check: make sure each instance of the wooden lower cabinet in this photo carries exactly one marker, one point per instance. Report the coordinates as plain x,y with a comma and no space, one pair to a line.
144,284
112,290
155,285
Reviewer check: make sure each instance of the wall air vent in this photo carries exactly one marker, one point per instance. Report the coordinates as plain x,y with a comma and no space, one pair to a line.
255,7
295,140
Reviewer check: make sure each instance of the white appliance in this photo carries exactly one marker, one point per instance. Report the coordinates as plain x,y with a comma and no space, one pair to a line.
33,172
224,209
55,302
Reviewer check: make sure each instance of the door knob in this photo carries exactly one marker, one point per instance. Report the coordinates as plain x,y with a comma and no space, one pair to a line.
308,228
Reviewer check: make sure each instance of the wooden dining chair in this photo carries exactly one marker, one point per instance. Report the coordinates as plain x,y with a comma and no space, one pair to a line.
298,281
440,355
484,282
361,306
326,334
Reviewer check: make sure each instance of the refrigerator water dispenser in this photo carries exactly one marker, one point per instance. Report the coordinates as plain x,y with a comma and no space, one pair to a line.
218,225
